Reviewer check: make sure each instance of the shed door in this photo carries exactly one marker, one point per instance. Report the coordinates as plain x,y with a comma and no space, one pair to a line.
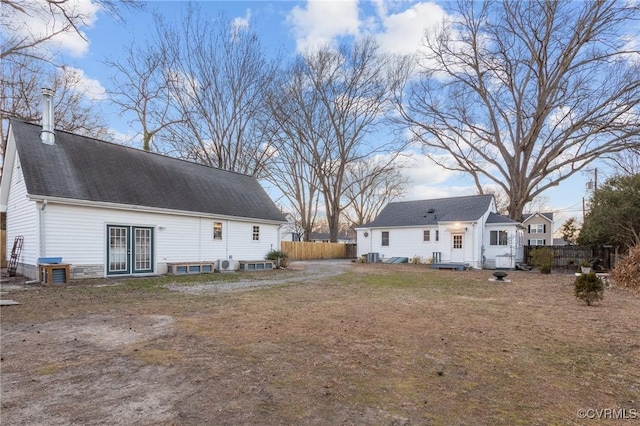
129,250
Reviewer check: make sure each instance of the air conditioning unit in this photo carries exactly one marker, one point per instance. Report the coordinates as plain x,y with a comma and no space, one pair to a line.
226,265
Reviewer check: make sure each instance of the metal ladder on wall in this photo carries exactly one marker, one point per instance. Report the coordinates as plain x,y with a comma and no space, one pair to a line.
15,255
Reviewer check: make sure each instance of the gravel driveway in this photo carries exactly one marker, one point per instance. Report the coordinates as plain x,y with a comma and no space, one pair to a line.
303,270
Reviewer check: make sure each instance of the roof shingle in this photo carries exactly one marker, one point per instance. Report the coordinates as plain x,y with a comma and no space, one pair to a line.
82,168
430,212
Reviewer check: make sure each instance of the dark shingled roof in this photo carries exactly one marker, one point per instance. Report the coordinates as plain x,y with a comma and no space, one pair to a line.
498,218
430,212
82,168
548,215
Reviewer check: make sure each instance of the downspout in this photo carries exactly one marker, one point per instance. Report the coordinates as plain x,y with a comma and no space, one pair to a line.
473,243
42,222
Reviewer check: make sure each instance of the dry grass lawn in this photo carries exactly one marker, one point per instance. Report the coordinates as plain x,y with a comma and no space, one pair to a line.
379,345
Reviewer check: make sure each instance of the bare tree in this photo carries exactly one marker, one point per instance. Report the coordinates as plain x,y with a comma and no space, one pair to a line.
293,132
524,94
333,103
217,75
500,197
369,186
58,17
142,87
21,80
627,162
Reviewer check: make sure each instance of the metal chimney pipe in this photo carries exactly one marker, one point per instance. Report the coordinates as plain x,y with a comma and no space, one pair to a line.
47,136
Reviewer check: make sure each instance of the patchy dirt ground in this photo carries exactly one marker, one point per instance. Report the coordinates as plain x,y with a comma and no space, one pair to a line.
334,344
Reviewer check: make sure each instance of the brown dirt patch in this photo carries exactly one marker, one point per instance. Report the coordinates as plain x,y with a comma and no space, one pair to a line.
379,344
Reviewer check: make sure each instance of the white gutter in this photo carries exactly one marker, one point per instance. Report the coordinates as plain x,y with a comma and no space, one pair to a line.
146,209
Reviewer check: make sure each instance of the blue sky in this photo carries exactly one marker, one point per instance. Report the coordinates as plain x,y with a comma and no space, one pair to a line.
290,27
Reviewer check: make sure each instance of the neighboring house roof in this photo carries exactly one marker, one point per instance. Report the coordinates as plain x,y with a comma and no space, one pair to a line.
527,216
81,168
431,212
322,236
559,242
498,218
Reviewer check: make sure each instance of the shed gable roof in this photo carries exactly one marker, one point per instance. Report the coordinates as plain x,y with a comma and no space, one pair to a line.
82,168
431,212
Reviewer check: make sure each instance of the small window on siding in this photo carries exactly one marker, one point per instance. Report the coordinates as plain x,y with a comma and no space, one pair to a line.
426,235
385,238
437,235
217,230
256,233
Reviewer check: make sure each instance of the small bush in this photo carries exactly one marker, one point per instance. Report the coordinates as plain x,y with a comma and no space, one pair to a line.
542,257
281,258
626,273
589,288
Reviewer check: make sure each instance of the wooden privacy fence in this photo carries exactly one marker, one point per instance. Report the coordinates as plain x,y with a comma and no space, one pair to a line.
300,250
572,256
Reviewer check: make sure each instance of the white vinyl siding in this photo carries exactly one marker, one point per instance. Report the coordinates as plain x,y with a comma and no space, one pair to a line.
78,234
409,242
22,219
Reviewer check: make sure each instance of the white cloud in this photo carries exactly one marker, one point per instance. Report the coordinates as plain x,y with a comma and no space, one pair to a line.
402,32
421,170
320,22
397,27
91,88
37,22
240,23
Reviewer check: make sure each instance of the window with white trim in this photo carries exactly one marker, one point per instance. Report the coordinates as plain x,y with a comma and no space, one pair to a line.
385,238
217,230
256,233
426,235
538,228
537,242
499,238
437,235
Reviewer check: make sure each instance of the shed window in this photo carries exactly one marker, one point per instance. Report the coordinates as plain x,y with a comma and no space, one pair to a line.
256,233
217,230
385,238
499,238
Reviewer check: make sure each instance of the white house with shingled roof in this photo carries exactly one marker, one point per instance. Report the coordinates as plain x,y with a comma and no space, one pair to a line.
464,230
